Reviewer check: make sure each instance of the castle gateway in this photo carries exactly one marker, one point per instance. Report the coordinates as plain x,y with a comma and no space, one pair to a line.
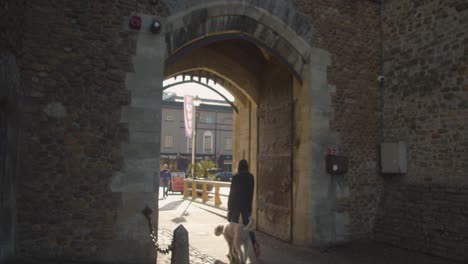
317,84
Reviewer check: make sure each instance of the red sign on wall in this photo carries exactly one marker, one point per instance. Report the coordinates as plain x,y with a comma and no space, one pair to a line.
332,150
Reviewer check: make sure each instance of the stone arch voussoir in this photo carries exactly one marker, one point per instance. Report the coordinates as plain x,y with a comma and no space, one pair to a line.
242,84
266,26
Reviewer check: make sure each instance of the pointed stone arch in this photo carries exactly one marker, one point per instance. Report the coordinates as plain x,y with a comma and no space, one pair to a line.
203,78
245,89
249,20
188,29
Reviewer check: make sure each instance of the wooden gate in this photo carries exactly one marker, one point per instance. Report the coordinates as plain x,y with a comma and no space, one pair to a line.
274,174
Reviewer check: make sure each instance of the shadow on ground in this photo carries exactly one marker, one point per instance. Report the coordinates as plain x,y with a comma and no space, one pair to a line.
171,206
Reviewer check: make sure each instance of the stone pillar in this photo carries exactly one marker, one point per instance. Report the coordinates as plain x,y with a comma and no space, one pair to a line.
328,226
138,181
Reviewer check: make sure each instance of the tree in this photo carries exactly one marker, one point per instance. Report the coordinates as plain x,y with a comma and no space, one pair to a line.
204,168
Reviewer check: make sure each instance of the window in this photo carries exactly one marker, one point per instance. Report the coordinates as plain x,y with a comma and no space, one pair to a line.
207,142
228,144
168,142
169,115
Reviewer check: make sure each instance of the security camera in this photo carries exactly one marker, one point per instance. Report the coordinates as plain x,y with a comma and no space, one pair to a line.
381,78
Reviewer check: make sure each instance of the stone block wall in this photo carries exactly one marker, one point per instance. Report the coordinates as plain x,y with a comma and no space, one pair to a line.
11,26
75,57
426,105
431,219
349,31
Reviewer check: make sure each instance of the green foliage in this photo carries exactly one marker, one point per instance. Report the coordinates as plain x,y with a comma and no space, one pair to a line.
203,169
189,173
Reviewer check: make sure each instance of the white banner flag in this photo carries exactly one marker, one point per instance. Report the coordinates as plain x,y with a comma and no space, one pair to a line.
188,115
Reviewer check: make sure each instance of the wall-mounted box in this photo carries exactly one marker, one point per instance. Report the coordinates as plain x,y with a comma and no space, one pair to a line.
393,157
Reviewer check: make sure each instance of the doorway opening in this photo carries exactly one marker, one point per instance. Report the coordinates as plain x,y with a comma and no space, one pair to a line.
262,86
213,125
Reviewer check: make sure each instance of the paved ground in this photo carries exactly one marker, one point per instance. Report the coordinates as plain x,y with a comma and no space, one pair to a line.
200,219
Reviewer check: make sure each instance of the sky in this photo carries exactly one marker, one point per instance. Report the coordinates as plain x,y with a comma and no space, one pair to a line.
196,89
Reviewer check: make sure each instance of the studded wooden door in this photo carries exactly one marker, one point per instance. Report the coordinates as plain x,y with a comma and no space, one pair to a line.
274,188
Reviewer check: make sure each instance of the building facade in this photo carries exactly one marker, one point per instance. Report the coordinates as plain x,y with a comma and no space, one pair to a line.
214,137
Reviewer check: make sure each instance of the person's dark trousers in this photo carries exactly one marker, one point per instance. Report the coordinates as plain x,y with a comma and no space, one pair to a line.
165,189
234,217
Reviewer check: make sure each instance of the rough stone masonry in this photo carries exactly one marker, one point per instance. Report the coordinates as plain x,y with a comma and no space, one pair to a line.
73,58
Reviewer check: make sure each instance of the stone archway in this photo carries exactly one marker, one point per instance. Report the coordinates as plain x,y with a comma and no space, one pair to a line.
267,84
310,221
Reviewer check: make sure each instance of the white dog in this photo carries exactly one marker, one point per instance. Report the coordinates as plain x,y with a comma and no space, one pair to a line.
237,235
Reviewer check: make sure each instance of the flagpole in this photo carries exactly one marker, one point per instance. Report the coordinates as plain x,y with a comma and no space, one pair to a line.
193,143
196,102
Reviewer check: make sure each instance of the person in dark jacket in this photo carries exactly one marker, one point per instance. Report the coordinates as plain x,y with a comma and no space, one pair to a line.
241,197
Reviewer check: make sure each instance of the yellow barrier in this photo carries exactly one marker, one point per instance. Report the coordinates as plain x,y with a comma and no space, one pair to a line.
203,188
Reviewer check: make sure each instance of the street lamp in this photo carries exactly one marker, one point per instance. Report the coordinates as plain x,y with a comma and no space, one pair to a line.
196,102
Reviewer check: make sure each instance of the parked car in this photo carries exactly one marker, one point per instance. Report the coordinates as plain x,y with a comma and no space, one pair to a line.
224,176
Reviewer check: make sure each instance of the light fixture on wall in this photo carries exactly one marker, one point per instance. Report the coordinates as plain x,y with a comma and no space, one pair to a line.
156,26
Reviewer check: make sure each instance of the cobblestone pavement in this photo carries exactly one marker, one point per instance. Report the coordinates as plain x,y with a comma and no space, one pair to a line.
200,219
196,257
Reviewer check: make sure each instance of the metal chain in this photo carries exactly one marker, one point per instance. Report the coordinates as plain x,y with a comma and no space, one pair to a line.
158,247
147,212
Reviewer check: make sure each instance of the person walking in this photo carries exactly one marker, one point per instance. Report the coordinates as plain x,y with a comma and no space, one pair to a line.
241,197
165,179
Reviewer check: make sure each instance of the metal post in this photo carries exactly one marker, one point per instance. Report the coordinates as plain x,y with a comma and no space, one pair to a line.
193,139
196,102
181,254
216,140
